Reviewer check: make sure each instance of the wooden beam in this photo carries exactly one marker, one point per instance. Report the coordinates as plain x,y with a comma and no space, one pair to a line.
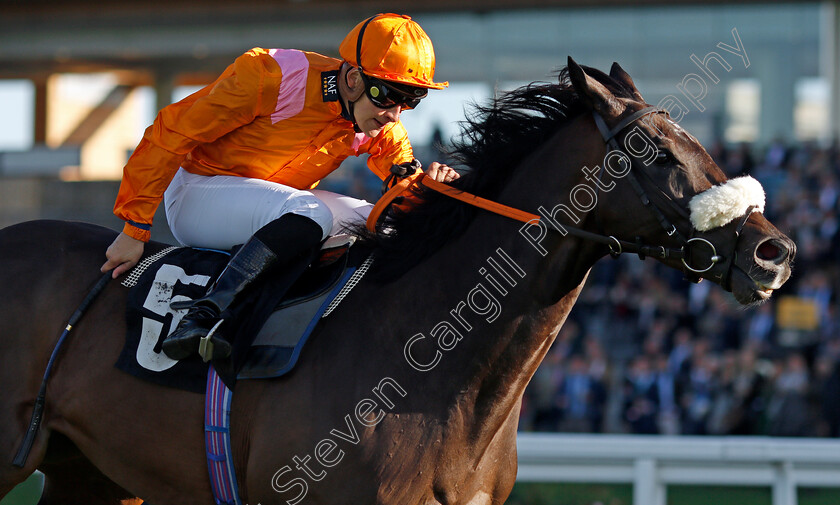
39,135
94,120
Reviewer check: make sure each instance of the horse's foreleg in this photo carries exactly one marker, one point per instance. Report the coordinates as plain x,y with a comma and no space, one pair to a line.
30,317
70,478
20,385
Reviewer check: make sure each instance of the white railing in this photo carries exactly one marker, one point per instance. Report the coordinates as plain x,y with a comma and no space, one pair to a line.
650,463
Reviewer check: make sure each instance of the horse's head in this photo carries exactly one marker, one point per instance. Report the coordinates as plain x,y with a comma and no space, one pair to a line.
671,199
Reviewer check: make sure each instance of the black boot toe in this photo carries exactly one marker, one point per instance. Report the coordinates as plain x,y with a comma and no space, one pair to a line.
183,342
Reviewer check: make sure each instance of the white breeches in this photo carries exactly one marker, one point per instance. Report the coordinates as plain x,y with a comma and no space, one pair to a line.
221,211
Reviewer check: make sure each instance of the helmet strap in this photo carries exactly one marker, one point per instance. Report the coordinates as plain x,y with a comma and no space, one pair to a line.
347,111
359,41
347,108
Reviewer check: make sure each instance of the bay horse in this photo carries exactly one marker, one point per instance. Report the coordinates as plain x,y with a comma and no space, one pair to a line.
410,391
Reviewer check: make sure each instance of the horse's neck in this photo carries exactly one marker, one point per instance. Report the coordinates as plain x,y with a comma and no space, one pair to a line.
504,302
508,336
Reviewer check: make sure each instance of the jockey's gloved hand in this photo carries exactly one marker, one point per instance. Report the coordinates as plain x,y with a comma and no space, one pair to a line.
399,172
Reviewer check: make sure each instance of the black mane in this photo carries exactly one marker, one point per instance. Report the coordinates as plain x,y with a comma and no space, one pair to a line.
493,141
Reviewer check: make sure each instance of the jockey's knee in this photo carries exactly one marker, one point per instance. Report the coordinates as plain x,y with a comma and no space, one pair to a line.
305,204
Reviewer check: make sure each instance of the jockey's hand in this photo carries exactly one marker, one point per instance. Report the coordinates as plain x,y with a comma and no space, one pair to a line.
441,172
123,254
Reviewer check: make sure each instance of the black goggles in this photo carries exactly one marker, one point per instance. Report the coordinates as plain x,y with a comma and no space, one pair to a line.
387,94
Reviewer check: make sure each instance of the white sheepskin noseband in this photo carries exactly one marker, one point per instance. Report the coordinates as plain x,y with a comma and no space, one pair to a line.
720,205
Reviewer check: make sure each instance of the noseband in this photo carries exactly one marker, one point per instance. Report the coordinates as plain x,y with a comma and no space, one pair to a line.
685,252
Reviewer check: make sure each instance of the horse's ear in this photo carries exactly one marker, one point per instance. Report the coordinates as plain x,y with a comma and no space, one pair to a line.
595,94
618,73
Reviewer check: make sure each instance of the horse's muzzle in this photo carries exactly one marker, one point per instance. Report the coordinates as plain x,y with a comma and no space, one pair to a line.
765,272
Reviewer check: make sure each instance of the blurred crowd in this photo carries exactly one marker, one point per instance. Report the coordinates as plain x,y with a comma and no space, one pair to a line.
645,351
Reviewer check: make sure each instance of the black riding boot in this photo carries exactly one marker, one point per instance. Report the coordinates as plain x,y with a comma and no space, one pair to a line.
271,247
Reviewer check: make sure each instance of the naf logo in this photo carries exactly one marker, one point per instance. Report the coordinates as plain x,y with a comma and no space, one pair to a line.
329,86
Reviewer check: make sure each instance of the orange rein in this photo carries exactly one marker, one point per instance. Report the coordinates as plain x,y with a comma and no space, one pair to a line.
420,179
616,246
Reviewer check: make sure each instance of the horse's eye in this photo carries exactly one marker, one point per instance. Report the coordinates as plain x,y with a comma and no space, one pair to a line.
663,158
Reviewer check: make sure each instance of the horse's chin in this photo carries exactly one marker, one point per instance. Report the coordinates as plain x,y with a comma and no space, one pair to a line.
749,291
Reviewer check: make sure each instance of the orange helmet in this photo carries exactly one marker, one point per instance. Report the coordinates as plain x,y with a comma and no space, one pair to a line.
394,48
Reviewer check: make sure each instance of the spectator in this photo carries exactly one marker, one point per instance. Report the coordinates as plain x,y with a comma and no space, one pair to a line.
698,392
739,162
668,412
640,403
541,394
748,390
597,367
576,397
788,410
760,327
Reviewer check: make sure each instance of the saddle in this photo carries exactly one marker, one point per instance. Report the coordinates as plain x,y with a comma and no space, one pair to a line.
278,343
271,330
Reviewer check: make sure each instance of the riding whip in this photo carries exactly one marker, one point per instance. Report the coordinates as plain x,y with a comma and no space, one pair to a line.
38,409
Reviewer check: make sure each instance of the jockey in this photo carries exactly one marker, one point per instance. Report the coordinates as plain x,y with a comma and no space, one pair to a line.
237,161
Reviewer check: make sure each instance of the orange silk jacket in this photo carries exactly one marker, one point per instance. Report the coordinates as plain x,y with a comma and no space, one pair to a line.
273,115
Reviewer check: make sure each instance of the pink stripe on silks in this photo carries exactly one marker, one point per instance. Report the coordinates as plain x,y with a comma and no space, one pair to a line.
359,140
292,94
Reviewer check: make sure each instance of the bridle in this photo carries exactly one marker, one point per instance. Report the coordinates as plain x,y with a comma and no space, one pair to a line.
684,253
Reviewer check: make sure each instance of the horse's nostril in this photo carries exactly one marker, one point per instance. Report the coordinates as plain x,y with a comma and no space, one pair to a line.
771,250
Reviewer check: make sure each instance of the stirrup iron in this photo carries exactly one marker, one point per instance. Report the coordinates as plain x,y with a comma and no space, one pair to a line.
205,345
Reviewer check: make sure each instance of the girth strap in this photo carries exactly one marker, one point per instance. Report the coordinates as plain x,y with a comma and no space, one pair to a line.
217,403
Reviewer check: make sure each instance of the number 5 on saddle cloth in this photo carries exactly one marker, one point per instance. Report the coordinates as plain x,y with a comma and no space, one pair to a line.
270,330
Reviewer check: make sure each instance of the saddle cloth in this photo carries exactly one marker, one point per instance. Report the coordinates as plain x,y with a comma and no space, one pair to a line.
269,334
